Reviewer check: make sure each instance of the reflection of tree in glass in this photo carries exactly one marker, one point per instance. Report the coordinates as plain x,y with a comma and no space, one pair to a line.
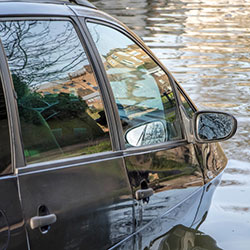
62,105
58,97
41,114
41,51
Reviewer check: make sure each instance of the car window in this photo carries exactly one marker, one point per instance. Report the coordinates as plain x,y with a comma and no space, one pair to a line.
188,108
5,151
60,107
142,91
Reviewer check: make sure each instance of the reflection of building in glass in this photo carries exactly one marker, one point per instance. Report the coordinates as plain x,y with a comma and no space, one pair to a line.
132,56
136,81
82,83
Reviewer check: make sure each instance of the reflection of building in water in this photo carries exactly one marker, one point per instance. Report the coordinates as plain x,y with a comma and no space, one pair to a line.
82,83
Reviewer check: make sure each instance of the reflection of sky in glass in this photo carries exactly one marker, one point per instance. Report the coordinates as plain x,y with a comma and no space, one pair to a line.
42,51
113,39
148,89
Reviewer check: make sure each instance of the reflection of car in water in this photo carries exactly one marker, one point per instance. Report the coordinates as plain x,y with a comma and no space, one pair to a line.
100,147
183,238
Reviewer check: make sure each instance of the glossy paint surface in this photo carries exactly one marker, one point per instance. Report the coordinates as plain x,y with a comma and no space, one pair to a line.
151,236
173,174
12,226
22,9
206,45
92,202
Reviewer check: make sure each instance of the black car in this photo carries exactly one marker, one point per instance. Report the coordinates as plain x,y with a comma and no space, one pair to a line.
100,147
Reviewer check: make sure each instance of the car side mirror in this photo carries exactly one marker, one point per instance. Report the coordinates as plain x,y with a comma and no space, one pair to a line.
212,126
146,134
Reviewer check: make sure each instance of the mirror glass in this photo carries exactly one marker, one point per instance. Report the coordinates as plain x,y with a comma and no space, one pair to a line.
214,126
146,134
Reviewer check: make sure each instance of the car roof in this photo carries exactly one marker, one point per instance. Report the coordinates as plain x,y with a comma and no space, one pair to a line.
84,3
43,8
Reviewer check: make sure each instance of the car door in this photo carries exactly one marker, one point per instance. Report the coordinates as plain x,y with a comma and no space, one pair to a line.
157,155
74,187
211,157
12,228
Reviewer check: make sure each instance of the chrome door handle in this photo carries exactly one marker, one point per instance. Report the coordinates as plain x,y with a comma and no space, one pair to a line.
41,221
143,193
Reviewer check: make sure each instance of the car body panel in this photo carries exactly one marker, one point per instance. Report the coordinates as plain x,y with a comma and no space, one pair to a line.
173,174
93,196
95,14
182,214
92,202
12,225
141,163
33,9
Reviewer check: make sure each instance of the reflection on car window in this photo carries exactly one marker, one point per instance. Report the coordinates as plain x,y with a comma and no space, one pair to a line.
5,152
141,88
60,107
214,126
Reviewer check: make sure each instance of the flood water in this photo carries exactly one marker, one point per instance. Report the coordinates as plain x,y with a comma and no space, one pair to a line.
206,46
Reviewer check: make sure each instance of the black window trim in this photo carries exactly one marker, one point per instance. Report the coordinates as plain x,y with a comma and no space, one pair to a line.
10,109
184,94
137,41
103,76
20,164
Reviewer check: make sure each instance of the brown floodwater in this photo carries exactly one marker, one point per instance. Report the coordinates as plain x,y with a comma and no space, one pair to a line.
206,45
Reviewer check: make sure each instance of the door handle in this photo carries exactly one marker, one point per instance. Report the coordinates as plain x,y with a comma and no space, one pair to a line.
143,193
41,221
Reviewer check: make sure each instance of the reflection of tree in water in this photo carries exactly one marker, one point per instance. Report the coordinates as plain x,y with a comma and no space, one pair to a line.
41,51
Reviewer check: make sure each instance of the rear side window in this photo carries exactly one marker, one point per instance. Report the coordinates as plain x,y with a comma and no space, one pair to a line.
60,107
5,152
142,90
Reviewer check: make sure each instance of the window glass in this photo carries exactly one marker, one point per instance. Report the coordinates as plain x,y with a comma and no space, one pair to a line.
5,152
142,90
60,107
189,110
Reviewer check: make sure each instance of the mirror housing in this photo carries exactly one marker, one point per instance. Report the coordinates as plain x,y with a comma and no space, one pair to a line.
213,126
